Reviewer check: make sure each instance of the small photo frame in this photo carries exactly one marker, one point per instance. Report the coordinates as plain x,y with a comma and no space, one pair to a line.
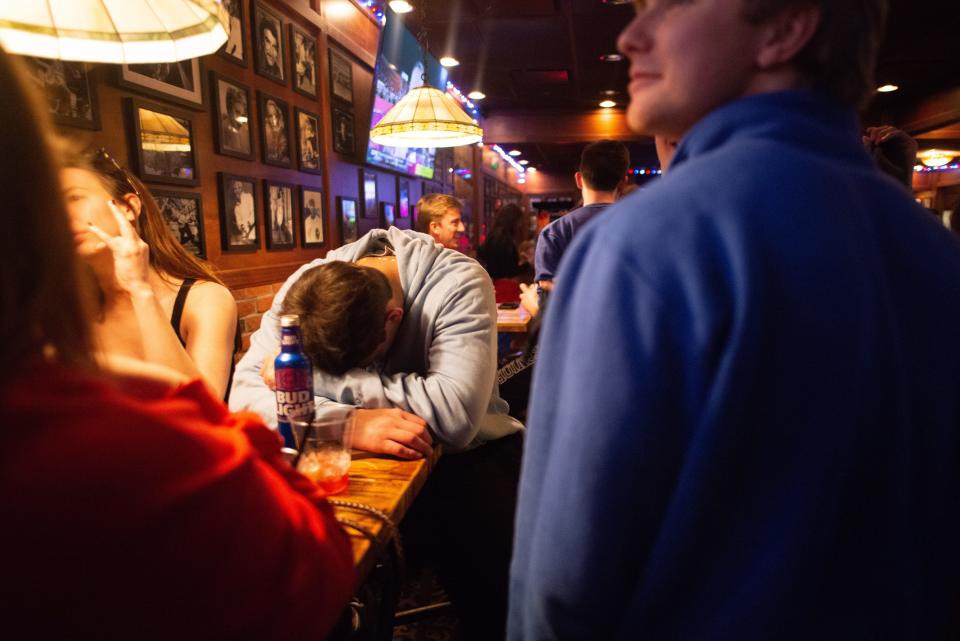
341,77
268,43
231,117
183,212
303,62
343,132
347,212
177,82
239,215
308,141
278,205
388,214
71,100
235,49
163,143
368,193
403,198
274,130
311,218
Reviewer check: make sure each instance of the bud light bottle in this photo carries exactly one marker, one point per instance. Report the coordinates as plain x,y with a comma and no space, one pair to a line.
294,377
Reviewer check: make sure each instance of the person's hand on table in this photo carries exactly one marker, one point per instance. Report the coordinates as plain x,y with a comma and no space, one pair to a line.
529,298
267,372
392,431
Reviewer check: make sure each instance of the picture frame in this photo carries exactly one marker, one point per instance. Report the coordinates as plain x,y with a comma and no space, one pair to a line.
183,212
303,62
274,116
235,49
308,141
341,77
403,197
347,214
230,107
71,99
312,218
178,82
239,213
163,144
368,194
344,141
388,214
270,58
279,214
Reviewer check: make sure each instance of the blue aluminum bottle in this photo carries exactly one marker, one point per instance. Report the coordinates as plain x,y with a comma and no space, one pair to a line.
294,376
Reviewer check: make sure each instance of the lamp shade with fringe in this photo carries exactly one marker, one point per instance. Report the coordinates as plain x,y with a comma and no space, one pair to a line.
116,31
426,117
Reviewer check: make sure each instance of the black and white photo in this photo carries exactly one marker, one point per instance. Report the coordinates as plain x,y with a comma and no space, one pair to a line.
343,134
239,218
311,210
231,117
303,61
71,100
279,209
184,215
308,141
178,82
341,77
164,143
268,37
235,50
274,130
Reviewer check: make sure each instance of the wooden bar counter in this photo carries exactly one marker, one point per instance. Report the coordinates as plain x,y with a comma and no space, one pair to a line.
513,320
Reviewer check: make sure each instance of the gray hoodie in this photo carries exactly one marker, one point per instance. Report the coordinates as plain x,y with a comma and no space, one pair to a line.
442,365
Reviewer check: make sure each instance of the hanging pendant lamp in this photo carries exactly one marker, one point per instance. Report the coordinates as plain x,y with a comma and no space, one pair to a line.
117,31
426,117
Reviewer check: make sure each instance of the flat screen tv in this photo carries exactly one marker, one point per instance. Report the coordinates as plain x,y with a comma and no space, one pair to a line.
400,68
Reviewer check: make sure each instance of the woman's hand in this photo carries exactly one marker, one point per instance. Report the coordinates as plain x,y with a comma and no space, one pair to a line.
131,256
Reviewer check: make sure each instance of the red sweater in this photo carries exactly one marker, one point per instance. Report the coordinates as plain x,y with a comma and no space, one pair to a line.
158,518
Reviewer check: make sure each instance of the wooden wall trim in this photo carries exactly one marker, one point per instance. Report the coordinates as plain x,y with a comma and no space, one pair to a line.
937,111
562,127
255,275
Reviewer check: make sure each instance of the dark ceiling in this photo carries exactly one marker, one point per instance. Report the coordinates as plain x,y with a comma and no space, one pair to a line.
546,56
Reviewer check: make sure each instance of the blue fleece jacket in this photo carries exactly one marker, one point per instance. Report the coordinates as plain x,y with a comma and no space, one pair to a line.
746,408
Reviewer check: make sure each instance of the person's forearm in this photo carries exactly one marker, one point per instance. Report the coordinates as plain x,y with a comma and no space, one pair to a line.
160,343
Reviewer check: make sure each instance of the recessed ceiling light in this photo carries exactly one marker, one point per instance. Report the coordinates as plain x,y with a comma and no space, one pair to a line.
515,152
524,162
607,104
449,61
476,95
530,170
610,92
401,6
887,88
611,57
521,180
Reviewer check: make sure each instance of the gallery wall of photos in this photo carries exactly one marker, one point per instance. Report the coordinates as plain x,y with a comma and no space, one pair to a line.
254,154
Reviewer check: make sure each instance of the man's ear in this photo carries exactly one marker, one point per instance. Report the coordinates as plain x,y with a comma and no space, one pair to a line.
394,315
579,178
786,34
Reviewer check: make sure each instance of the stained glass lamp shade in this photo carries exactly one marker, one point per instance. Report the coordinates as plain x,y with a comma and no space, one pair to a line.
426,117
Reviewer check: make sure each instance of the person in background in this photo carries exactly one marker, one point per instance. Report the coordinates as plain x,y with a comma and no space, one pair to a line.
744,416
159,303
500,253
142,507
439,215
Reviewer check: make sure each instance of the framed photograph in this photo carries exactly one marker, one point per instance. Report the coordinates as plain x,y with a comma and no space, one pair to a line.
278,201
347,212
71,101
274,130
368,193
268,43
303,62
343,140
403,198
239,216
308,141
183,212
163,144
311,217
231,117
388,214
341,77
235,50
177,82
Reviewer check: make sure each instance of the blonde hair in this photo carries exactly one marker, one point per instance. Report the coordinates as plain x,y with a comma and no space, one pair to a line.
45,299
432,207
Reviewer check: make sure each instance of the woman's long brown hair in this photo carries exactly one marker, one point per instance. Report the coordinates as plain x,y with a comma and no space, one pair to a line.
45,303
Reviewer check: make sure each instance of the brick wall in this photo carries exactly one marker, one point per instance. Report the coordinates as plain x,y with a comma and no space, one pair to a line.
252,303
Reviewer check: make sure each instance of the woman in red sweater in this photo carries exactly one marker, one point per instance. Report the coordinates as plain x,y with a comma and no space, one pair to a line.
135,505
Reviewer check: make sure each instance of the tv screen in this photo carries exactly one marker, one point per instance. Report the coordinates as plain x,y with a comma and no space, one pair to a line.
399,69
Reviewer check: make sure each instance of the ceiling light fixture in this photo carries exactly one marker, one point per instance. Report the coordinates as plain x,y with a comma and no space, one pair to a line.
134,31
937,157
887,88
524,162
401,6
476,95
531,170
515,152
449,61
611,57
607,104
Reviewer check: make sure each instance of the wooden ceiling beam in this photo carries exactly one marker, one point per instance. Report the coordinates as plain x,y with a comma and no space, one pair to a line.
518,127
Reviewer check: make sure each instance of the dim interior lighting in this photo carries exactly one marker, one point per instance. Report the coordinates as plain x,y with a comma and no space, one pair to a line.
476,95
611,57
531,170
133,31
887,88
426,117
514,152
607,104
401,6
937,157
524,162
449,61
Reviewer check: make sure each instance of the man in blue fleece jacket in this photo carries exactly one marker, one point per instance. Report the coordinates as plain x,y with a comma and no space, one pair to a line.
745,418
